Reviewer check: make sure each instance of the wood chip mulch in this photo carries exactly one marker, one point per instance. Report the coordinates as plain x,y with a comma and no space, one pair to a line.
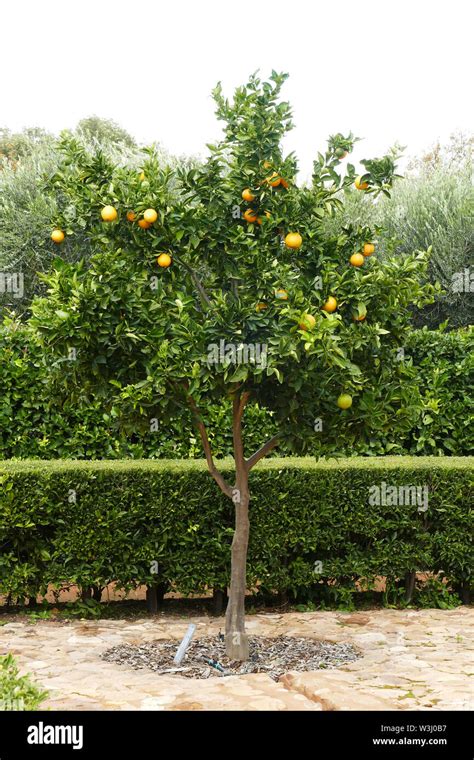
206,658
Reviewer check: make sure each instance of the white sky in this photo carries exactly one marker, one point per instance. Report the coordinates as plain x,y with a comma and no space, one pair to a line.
387,70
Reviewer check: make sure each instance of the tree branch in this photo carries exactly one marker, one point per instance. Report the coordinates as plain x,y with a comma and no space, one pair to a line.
238,406
218,477
263,451
196,281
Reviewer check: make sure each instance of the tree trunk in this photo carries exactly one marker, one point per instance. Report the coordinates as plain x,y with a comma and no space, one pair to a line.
155,595
96,592
465,592
410,581
236,640
219,598
151,600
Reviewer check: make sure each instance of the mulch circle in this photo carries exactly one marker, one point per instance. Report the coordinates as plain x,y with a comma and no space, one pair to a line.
205,657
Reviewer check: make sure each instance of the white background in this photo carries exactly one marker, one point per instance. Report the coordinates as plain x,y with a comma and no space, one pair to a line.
387,70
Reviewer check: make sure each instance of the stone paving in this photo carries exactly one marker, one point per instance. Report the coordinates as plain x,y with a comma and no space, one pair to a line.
412,660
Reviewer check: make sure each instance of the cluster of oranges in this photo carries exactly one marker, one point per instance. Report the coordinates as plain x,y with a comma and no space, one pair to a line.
294,240
274,180
109,214
149,217
357,259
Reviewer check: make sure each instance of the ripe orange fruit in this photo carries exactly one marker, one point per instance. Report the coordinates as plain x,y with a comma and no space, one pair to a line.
284,183
57,236
307,322
247,195
368,249
274,180
293,240
261,306
344,401
281,294
131,216
144,224
150,215
359,184
109,214
330,305
359,318
250,216
164,260
356,259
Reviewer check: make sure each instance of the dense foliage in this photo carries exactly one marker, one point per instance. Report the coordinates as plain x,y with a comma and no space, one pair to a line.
37,418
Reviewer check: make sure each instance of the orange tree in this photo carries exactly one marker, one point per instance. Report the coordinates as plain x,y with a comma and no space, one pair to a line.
215,282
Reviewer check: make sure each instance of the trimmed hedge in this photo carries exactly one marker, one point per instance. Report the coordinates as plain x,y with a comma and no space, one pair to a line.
91,523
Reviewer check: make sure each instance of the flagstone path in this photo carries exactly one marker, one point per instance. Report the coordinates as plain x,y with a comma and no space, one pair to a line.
411,660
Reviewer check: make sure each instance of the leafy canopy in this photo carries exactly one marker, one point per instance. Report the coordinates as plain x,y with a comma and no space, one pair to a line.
140,335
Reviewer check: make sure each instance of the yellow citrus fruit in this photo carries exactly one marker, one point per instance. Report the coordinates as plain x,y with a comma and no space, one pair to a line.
144,224
307,322
293,240
261,306
281,294
359,184
131,216
344,401
109,214
164,260
356,259
57,236
330,305
250,216
274,180
150,215
368,249
247,195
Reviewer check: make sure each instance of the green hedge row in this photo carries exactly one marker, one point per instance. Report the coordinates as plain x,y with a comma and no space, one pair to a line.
315,526
37,420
